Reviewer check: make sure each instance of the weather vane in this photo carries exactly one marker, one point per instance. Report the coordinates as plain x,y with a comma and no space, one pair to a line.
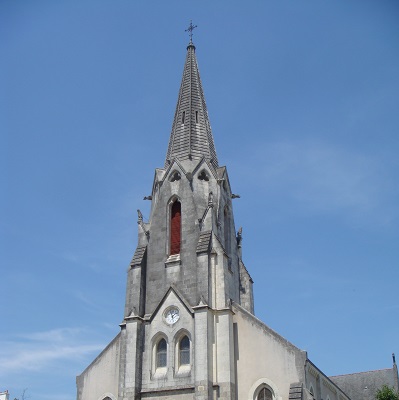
190,30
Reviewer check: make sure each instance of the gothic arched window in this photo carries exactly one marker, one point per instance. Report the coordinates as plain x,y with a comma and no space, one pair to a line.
175,228
184,351
265,394
161,353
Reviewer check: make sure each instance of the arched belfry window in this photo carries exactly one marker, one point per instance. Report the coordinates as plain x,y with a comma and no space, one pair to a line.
175,228
264,394
161,354
184,351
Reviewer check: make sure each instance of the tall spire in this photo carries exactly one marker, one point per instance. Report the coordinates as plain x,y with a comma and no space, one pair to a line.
191,136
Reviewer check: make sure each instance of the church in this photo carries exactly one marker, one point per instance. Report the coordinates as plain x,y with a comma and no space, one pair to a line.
189,329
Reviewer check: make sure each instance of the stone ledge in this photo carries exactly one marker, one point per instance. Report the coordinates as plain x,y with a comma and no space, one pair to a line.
173,261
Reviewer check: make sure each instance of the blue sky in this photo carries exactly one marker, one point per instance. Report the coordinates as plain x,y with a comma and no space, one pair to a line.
303,100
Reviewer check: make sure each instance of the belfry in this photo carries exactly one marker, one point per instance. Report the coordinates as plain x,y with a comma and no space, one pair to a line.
189,330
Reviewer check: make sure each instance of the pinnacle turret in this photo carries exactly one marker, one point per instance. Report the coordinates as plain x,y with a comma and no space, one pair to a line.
191,136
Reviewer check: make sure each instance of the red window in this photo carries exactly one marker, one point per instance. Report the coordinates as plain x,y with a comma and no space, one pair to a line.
175,228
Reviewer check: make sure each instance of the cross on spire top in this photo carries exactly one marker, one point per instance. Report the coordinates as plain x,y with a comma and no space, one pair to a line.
190,30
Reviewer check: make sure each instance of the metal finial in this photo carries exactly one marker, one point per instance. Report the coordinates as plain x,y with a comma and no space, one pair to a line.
190,30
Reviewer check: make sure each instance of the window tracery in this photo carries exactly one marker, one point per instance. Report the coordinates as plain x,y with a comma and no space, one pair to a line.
175,176
264,394
203,176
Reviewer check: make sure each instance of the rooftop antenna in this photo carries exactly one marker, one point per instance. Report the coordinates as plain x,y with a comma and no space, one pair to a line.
190,30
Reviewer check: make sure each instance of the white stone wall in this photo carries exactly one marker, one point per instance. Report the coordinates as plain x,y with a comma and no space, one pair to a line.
100,379
4,395
264,357
323,387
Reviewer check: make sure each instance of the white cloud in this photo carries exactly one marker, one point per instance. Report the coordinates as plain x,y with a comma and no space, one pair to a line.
53,335
40,350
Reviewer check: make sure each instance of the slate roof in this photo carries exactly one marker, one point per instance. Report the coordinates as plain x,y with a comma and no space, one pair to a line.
191,135
363,385
295,391
204,242
138,255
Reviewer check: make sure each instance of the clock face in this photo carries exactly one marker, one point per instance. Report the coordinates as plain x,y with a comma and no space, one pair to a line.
172,315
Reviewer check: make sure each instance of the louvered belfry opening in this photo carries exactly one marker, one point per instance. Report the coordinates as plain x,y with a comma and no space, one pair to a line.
175,228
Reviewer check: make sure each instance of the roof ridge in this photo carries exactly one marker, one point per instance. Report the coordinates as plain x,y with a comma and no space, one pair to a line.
362,372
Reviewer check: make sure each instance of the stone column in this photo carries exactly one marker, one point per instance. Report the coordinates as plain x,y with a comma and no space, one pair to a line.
203,339
224,336
131,359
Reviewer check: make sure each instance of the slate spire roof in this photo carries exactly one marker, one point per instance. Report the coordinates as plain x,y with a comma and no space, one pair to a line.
191,136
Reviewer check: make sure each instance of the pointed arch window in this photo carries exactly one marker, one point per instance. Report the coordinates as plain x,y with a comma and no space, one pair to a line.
161,354
184,351
264,394
175,228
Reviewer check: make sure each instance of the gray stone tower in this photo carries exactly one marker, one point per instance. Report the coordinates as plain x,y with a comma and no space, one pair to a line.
186,270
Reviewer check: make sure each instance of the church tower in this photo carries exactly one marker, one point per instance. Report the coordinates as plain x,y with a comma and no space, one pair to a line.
187,268
189,330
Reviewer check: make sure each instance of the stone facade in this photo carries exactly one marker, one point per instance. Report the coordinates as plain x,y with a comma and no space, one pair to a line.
189,330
